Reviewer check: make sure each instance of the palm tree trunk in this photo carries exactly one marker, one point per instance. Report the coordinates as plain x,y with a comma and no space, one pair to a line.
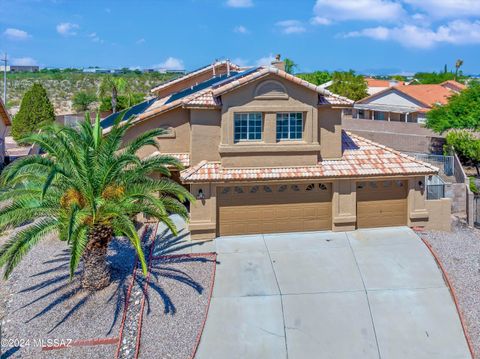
96,272
114,99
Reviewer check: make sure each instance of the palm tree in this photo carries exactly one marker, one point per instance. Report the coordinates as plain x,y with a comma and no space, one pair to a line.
458,64
289,65
86,188
112,86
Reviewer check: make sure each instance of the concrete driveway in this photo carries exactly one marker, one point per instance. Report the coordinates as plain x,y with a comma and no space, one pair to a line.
365,294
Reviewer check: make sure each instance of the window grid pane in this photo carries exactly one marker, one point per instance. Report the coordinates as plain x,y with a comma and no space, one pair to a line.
289,126
247,126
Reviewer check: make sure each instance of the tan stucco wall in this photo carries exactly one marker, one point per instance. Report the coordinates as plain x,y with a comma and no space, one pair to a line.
177,119
205,135
344,205
440,214
268,151
330,125
203,213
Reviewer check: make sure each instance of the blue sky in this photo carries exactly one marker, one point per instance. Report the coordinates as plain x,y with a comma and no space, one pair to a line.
365,35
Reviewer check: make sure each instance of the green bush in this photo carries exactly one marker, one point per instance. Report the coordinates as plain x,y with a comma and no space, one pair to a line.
82,100
36,110
473,185
124,102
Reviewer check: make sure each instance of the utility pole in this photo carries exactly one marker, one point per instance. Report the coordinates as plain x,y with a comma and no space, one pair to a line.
4,60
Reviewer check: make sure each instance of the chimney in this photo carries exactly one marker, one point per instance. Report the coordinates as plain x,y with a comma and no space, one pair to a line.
279,64
228,68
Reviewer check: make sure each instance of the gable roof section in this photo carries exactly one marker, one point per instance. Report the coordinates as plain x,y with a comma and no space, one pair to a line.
453,85
207,94
428,95
4,114
194,73
361,158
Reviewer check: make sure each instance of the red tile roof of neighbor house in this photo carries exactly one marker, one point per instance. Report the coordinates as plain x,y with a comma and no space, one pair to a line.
361,157
371,82
428,95
4,114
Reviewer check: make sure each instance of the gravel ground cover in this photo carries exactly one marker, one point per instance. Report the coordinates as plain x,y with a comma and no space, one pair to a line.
459,253
42,302
176,306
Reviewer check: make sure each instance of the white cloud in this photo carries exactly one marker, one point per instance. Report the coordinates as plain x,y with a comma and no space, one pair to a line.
456,32
67,29
239,3
171,63
16,34
265,61
141,41
24,61
376,10
291,26
95,38
447,8
318,20
240,29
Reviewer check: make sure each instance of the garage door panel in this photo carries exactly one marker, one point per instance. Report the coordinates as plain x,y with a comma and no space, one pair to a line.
382,204
275,211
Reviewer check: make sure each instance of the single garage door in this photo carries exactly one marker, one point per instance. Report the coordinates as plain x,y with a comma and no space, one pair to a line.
381,204
274,208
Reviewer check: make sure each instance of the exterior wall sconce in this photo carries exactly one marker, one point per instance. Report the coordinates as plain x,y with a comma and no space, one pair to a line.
421,185
200,194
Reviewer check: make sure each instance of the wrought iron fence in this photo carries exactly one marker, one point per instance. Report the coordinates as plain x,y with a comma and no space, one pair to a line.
445,163
435,191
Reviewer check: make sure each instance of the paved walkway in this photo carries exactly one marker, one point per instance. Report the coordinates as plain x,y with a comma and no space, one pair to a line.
365,294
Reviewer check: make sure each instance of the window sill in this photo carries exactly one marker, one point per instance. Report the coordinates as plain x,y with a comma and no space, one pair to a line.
269,147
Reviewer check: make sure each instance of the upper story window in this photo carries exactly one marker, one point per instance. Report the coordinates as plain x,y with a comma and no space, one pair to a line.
248,126
289,126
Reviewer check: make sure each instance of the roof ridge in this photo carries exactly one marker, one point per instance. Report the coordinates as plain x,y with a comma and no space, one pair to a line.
190,171
389,149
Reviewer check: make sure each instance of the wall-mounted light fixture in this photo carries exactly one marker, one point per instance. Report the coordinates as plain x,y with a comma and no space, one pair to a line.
420,184
200,194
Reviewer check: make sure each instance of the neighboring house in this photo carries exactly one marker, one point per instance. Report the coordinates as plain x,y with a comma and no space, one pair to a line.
265,152
405,103
375,85
5,121
20,68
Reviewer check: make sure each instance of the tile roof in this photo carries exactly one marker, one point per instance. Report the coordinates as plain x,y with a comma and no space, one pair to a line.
207,94
371,82
184,158
427,94
361,157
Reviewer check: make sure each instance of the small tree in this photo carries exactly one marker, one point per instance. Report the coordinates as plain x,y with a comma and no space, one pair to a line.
462,111
466,145
349,84
316,77
290,66
82,100
113,86
36,110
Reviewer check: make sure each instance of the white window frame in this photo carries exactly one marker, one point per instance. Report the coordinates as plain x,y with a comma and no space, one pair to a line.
251,116
290,119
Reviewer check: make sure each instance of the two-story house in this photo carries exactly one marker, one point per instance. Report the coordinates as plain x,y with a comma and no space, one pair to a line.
265,152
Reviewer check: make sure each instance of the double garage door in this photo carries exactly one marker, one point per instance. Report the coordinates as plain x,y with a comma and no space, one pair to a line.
274,208
305,207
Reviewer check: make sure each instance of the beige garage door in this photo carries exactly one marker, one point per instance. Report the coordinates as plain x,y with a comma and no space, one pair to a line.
274,208
381,204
